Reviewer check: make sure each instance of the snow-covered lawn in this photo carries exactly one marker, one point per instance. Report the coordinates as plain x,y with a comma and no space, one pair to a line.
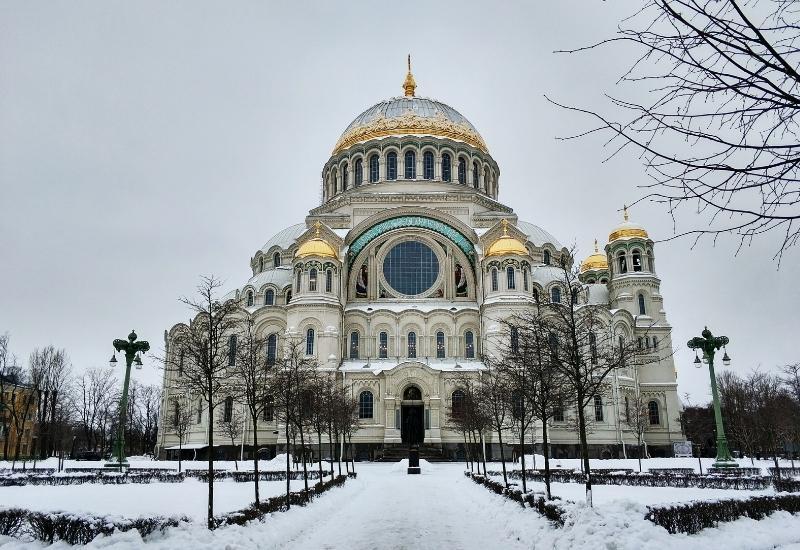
647,463
386,508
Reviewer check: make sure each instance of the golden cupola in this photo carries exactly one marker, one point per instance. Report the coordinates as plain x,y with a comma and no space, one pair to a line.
595,262
317,247
506,245
627,230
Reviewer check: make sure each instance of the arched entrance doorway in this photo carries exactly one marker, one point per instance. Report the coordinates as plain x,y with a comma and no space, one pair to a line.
412,427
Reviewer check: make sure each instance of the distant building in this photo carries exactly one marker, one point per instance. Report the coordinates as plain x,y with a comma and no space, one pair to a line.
17,418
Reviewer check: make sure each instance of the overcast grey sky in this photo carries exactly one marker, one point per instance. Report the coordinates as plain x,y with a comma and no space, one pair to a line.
143,144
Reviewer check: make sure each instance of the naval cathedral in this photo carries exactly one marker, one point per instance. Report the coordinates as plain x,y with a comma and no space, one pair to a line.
399,278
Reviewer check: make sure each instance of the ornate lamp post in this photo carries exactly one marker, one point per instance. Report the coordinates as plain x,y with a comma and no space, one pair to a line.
709,344
132,349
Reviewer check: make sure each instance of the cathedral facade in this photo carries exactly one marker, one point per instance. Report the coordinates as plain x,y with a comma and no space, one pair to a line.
398,280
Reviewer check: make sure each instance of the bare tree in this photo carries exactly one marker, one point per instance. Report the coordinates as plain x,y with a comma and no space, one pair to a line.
739,402
494,398
180,423
10,375
637,418
49,376
97,394
231,424
718,132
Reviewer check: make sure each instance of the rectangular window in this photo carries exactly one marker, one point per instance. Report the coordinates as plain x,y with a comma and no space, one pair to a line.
383,345
269,409
558,414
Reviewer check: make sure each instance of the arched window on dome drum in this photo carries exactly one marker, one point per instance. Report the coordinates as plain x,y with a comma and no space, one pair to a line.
651,262
642,310
334,181
276,259
365,401
652,413
310,341
329,281
261,264
623,262
510,280
476,176
374,169
637,260
353,345
410,166
312,280
358,173
383,345
494,279
427,165
486,182
598,408
272,349
469,345
462,171
440,345
250,300
546,257
345,176
412,345
525,284
297,282
514,340
391,166
446,167
457,404
555,295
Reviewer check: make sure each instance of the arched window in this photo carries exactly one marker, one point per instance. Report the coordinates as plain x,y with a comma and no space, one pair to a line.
574,293
462,171
232,350
312,279
329,281
345,176
476,176
272,349
598,408
383,345
181,359
410,166
623,262
310,341
457,404
655,343
353,345
593,347
412,344
514,340
440,345
297,282
276,259
642,310
510,282
469,345
546,257
555,295
486,181
365,404
651,262
250,300
525,284
536,295
637,260
261,264
427,165
374,169
652,413
446,167
494,279
359,172
288,295
334,181
391,166
227,410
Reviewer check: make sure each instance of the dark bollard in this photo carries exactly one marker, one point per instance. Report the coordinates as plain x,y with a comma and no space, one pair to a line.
413,461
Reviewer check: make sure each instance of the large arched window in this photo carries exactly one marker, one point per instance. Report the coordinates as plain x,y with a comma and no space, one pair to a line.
358,173
510,280
310,341
546,257
494,279
297,281
410,166
276,259
476,176
598,408
329,281
486,181
383,345
412,344
391,166
623,262
525,284
272,349
374,169
334,181
457,404
250,299
446,167
261,264
440,345
469,345
637,260
555,295
232,350
227,410
312,279
345,176
427,165
514,340
353,345
462,171
652,413
642,310
365,402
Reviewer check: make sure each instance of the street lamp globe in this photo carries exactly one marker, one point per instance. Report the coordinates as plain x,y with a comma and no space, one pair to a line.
726,360
113,361
138,362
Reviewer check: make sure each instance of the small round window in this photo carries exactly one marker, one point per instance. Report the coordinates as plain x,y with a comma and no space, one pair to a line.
411,268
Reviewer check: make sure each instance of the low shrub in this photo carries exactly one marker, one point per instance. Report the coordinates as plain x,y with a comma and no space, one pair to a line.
547,508
649,479
735,471
785,472
784,485
695,516
249,476
11,520
98,477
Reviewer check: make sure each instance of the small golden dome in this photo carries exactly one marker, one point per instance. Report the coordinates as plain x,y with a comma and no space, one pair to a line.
595,261
317,246
627,230
506,245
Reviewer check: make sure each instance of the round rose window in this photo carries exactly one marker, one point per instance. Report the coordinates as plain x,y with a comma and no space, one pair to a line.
411,268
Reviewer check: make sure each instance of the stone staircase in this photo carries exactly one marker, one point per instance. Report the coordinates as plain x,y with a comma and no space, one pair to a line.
396,453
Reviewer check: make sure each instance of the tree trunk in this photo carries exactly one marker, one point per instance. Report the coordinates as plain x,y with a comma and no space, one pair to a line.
483,453
466,453
180,453
288,467
303,458
352,455
254,418
546,451
585,451
210,460
319,445
502,455
522,445
330,448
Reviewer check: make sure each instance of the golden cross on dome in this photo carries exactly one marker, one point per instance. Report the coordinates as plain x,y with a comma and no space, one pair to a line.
409,85
596,250
625,211
317,226
504,223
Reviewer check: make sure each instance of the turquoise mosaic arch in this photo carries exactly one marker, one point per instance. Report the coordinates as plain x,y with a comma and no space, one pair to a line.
422,222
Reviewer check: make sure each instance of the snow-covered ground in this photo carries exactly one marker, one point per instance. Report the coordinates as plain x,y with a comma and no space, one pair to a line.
276,464
647,463
386,508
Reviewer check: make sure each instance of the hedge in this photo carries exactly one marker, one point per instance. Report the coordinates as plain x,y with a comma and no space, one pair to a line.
649,480
547,508
244,476
784,485
104,478
695,516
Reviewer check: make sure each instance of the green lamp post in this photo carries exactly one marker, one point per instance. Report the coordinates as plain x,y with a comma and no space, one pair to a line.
132,350
710,344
